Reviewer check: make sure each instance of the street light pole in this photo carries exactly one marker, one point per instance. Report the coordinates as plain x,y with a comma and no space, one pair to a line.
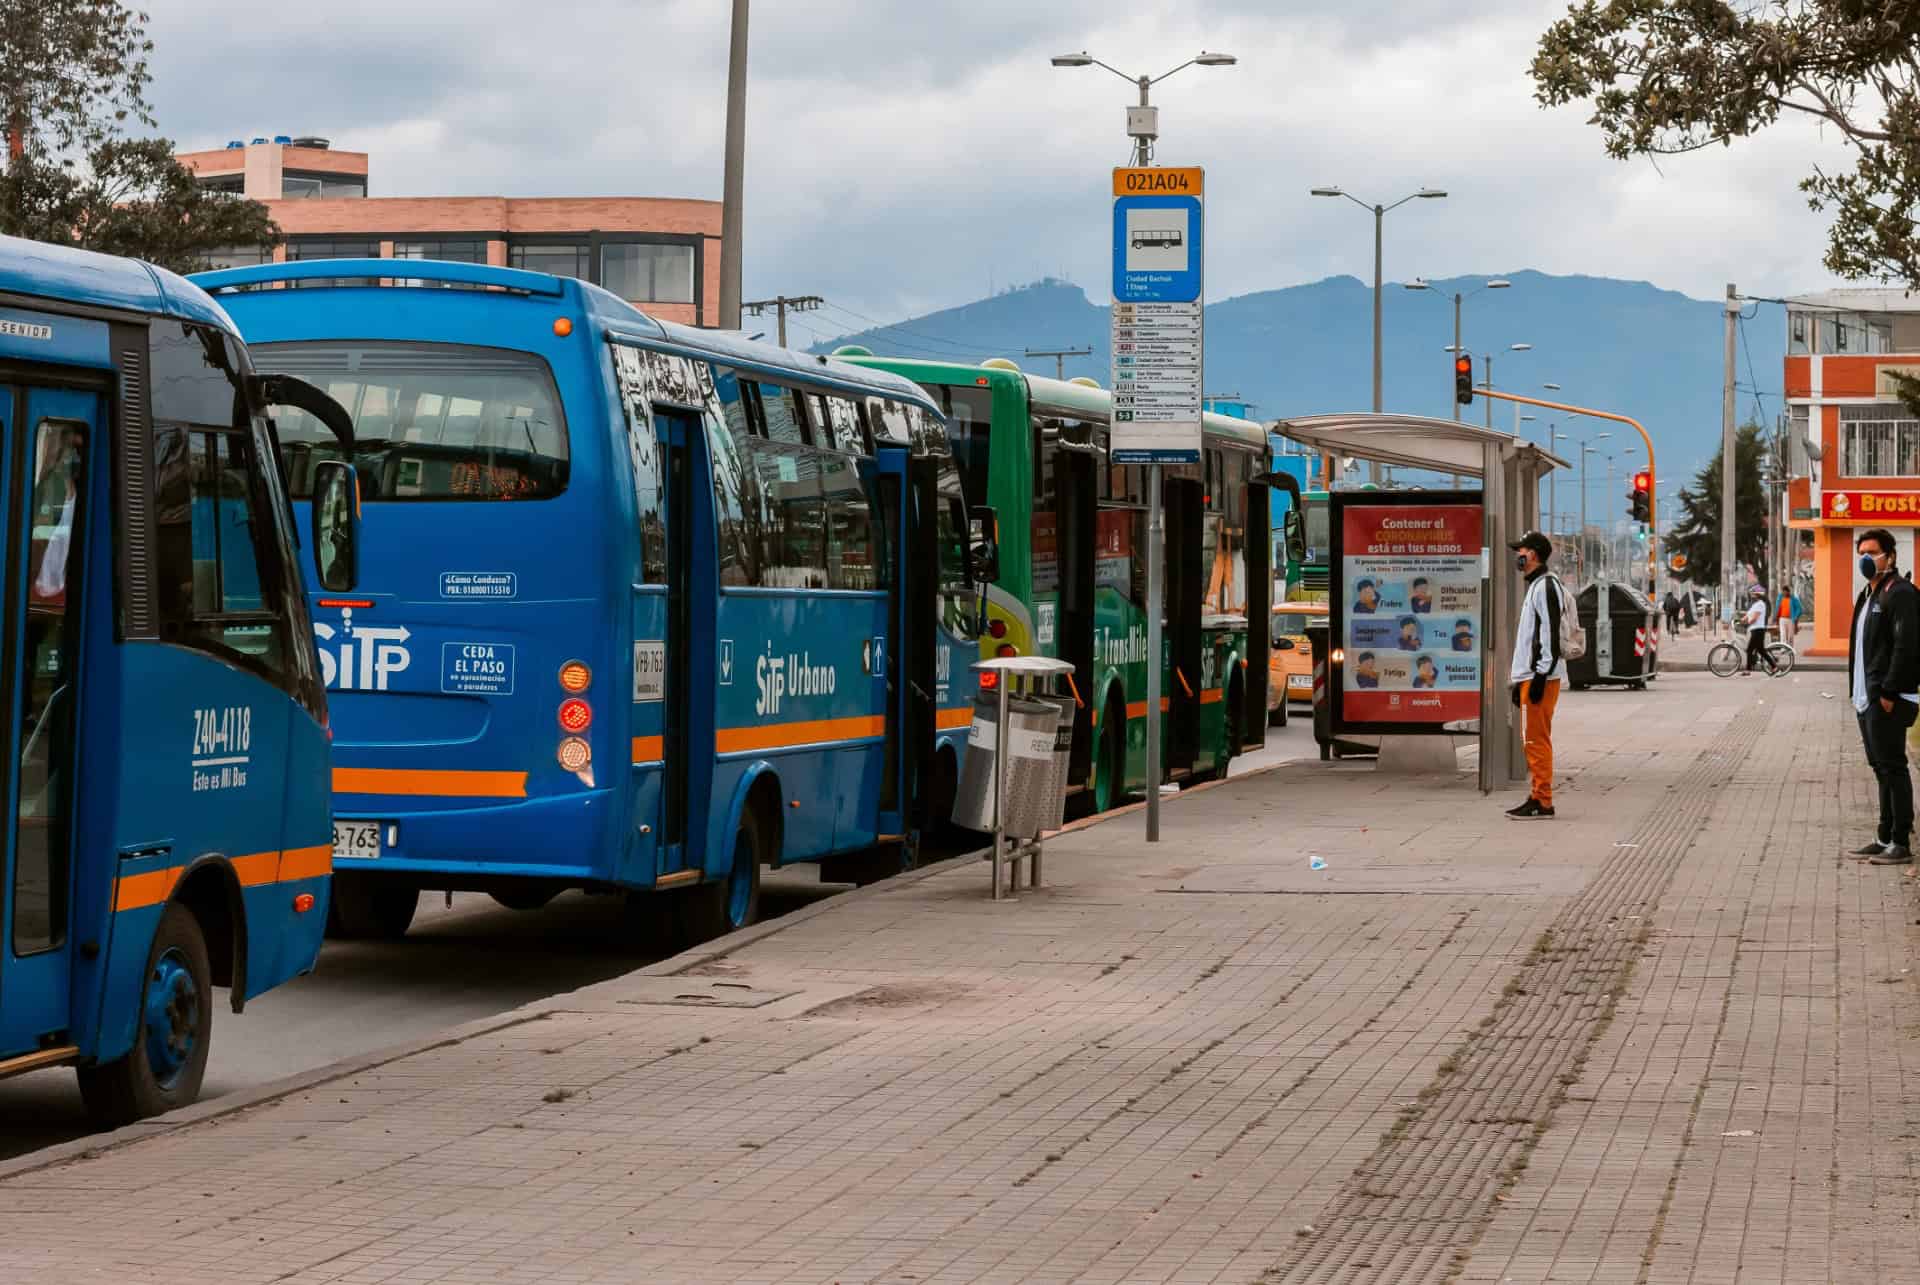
733,176
1143,134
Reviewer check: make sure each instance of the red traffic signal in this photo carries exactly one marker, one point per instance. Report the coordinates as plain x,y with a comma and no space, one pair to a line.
1463,379
1643,481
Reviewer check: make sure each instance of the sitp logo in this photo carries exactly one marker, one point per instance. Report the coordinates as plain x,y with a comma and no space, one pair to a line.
366,657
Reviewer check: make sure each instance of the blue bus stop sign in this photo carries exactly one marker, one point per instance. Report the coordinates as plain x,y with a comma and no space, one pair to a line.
1158,256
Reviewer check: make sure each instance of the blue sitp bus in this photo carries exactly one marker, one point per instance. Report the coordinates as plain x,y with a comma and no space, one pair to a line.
645,607
166,786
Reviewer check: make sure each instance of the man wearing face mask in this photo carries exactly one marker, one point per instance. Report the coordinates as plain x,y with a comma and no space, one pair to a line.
1884,661
1538,668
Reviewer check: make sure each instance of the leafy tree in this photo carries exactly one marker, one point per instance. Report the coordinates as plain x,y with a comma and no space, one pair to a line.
132,198
1697,533
1668,76
73,73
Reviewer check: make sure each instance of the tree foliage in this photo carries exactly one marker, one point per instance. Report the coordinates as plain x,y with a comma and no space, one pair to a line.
1668,76
73,75
1697,533
131,198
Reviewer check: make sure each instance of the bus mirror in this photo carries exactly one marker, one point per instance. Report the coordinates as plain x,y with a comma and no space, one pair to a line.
336,525
984,543
1296,536
285,390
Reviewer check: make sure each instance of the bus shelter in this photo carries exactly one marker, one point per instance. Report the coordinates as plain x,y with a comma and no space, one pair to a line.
1509,470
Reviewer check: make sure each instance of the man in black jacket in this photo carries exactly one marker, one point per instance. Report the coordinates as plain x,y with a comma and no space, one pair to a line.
1883,661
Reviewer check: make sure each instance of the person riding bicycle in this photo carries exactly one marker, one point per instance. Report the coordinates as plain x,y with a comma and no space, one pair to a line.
1756,619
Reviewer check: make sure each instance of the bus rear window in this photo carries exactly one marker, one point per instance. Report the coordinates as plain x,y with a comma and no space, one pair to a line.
430,421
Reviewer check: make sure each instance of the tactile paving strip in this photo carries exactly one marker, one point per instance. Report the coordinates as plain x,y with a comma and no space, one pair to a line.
1413,1210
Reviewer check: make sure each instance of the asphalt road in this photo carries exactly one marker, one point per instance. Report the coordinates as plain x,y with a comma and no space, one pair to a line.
454,965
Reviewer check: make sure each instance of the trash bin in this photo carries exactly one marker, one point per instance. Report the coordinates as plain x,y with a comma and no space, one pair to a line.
1035,788
1622,636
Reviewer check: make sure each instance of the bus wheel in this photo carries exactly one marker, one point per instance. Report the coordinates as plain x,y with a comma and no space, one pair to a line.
1110,761
364,909
526,895
716,909
168,1060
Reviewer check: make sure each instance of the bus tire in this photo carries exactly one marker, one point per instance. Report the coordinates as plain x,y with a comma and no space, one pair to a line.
530,894
1110,759
715,909
172,1033
363,909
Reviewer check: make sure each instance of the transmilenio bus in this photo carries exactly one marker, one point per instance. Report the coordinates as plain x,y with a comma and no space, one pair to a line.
166,790
1072,567
646,607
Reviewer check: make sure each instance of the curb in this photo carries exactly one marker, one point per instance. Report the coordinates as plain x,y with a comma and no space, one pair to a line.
94,1145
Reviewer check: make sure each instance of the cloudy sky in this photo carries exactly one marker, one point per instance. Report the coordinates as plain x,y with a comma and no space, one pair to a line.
906,155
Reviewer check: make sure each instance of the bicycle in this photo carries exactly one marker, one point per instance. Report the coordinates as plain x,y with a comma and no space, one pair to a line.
1726,658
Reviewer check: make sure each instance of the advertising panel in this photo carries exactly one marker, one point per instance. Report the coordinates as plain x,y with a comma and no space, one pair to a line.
1407,611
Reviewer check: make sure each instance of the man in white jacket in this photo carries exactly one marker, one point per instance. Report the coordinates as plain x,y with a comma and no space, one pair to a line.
1538,668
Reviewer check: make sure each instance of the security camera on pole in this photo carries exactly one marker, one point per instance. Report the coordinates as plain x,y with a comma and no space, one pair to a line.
1157,368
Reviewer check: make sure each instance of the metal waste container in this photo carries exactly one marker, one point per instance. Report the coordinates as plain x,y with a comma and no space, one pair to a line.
1623,636
1036,776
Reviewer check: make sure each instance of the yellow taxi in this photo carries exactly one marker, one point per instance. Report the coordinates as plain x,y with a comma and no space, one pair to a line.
1290,663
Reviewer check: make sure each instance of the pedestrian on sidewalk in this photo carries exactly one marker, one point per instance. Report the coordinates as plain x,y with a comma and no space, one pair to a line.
1671,606
1539,668
1883,658
1756,620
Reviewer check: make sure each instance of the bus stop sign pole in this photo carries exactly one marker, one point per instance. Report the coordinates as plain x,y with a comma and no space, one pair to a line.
1157,362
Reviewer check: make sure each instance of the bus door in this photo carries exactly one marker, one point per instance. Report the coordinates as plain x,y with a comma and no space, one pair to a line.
1186,587
49,434
1076,519
1257,549
904,486
663,627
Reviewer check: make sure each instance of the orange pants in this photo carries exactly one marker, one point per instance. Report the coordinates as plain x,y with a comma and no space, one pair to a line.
1539,722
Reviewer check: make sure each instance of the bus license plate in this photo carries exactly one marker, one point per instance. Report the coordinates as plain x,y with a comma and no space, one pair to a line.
359,839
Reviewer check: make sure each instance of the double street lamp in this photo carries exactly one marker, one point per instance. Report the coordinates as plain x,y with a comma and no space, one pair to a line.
1379,223
1459,297
1143,122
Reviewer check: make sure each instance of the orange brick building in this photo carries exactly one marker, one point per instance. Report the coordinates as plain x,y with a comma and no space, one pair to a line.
1854,448
661,254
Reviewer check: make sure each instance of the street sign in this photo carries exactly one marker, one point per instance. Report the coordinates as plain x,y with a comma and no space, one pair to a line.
1677,563
1158,307
1803,515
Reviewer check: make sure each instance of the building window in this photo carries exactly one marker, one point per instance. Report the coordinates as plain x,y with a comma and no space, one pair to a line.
304,248
237,256
1881,440
233,183
1797,335
647,273
445,252
1799,464
1849,334
570,260
295,186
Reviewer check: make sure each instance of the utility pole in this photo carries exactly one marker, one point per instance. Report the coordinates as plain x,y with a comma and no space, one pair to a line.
733,179
1059,356
780,304
1727,453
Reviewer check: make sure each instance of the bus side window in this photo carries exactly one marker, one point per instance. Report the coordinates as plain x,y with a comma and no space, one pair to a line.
649,496
780,407
856,555
793,543
843,420
735,508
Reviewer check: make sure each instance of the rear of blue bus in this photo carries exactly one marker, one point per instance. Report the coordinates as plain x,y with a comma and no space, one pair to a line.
465,673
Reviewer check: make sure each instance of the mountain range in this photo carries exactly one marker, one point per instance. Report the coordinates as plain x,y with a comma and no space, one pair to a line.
1625,346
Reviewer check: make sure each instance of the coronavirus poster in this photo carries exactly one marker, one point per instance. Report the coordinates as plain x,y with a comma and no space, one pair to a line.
1409,611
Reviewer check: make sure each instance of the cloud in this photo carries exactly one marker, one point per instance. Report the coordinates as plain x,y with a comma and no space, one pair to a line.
907,156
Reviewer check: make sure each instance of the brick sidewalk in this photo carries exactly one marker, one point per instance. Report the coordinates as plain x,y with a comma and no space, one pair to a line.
1467,1049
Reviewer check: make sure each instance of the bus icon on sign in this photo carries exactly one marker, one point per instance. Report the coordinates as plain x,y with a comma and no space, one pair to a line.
1158,238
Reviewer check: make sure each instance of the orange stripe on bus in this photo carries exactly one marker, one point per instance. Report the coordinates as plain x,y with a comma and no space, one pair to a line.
430,781
775,736
306,863
256,868
949,719
1211,695
1139,708
130,892
649,749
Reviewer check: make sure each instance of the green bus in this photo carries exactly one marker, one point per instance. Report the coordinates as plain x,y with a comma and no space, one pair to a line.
1071,583
1306,542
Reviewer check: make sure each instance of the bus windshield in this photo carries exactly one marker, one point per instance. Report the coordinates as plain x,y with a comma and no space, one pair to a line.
431,421
1318,534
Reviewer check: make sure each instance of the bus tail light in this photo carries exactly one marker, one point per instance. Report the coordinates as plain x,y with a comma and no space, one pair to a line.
996,628
989,680
575,754
575,676
1006,649
576,715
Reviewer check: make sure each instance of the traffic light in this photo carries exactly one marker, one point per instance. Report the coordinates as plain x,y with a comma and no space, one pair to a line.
1463,378
1642,509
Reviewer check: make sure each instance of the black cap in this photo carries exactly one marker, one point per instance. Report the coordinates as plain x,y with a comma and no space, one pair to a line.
1541,546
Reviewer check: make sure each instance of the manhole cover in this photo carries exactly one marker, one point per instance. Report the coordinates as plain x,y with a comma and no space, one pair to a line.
696,992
